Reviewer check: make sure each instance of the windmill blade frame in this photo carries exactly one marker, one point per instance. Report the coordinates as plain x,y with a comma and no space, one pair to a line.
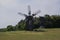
22,14
29,10
36,13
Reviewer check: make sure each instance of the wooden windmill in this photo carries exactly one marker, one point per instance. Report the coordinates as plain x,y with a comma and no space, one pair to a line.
29,19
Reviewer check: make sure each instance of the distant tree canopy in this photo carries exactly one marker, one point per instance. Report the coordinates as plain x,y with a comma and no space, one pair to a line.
10,28
50,22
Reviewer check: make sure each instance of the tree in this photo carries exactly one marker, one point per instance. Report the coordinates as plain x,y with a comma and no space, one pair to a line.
21,25
10,28
49,21
56,21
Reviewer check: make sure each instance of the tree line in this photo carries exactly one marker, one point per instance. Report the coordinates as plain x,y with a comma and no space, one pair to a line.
48,22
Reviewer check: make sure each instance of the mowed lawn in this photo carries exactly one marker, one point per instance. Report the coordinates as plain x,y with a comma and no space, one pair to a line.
50,34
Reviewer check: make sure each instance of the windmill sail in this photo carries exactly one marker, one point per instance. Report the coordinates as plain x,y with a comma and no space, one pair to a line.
22,14
36,13
29,9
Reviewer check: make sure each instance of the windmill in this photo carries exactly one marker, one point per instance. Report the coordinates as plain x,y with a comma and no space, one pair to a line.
29,19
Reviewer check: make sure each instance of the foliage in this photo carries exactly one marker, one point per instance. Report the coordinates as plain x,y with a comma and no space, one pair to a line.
10,28
3,30
20,25
50,22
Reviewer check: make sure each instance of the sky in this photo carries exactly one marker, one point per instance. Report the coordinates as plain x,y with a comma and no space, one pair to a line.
9,9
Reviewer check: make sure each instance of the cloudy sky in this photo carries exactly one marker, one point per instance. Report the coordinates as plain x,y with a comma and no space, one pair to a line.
9,9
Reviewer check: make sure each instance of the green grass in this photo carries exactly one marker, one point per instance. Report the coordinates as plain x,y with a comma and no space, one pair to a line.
50,34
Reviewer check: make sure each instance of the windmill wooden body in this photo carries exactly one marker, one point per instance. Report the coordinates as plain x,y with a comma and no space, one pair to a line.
29,19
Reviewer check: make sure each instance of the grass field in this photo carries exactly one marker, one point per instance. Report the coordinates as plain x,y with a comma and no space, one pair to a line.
50,34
